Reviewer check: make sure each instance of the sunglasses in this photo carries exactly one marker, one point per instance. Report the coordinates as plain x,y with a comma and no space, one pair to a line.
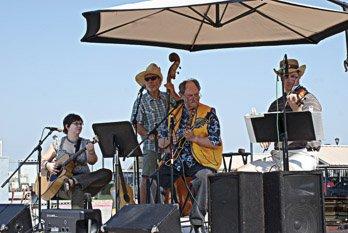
152,78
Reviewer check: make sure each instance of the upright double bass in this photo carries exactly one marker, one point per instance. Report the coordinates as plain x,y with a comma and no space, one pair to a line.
181,183
173,57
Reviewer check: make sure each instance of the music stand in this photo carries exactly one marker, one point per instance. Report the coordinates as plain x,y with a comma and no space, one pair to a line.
263,127
117,139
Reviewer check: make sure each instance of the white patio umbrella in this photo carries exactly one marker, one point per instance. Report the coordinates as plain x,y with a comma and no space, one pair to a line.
209,24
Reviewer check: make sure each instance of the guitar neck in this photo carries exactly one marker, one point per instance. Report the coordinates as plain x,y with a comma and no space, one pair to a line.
121,176
75,155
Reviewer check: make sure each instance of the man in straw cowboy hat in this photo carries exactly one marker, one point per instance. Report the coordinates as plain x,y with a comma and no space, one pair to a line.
298,99
147,113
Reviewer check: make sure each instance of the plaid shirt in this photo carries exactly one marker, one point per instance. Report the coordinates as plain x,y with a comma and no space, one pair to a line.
186,155
151,111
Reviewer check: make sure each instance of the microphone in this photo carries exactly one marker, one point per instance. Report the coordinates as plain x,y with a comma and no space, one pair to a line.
178,103
54,129
142,89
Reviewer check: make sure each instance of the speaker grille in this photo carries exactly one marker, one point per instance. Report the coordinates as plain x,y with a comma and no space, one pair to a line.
293,202
236,202
224,204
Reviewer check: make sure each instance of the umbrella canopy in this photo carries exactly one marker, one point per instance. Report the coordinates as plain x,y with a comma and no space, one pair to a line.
207,24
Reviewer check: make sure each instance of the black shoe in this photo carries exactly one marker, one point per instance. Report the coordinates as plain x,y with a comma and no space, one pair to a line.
199,229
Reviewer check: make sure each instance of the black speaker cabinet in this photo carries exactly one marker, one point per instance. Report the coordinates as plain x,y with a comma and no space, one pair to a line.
145,218
76,220
294,202
15,218
236,202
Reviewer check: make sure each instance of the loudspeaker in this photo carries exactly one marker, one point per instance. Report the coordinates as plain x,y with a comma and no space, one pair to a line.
236,202
294,202
75,220
15,218
145,218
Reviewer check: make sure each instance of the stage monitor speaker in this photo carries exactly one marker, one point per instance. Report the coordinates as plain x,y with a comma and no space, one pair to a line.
72,220
15,218
145,218
236,202
294,202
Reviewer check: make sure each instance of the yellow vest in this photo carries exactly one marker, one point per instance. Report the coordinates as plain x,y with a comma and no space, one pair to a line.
208,157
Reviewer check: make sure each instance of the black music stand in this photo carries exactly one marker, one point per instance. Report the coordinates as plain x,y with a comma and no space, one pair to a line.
117,139
269,127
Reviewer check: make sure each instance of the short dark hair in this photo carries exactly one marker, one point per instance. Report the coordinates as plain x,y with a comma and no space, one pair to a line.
182,85
69,119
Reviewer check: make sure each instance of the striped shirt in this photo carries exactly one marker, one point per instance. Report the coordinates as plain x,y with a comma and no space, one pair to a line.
151,111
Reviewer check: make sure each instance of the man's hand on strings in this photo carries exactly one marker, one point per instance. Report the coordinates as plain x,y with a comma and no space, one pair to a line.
52,167
188,134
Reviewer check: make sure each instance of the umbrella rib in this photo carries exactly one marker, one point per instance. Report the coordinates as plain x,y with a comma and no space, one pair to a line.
199,29
280,23
203,16
190,17
122,25
223,13
243,15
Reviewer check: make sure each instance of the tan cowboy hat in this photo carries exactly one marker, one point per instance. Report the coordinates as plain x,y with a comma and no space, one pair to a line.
292,66
151,70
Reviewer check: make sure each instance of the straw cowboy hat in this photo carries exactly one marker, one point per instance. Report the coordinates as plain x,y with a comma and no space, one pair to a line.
292,66
151,70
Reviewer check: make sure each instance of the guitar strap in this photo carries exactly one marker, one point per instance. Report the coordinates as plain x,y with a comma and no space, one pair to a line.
78,144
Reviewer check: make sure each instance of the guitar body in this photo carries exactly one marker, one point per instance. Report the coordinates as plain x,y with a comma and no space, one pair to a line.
50,184
50,188
125,197
125,192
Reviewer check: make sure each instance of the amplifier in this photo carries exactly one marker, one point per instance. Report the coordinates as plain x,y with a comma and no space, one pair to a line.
76,220
15,218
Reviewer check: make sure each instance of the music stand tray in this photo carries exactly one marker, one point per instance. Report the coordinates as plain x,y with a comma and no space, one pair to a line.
120,132
306,125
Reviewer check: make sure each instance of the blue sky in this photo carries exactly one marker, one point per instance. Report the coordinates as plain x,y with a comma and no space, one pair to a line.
46,73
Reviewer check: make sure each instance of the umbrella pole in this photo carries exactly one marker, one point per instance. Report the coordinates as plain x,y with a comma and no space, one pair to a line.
344,6
285,134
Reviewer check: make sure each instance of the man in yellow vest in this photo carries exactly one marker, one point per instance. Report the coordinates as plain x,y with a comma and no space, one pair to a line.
197,148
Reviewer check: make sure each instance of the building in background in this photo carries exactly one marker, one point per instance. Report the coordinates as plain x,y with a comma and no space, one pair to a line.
5,166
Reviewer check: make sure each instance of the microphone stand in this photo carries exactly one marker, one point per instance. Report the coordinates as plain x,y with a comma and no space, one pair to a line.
116,204
135,125
171,130
37,148
285,134
134,121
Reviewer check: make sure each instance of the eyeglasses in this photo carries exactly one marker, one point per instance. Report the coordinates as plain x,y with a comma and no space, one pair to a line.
77,123
190,96
152,78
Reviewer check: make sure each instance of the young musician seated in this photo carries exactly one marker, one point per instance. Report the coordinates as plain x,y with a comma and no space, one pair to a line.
82,180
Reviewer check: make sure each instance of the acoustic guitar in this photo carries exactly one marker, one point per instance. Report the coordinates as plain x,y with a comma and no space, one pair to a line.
125,194
51,183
